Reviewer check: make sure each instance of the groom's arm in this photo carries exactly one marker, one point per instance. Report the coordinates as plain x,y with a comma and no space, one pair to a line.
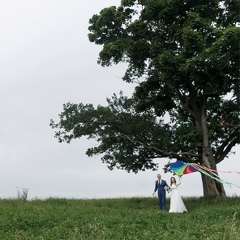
166,184
155,189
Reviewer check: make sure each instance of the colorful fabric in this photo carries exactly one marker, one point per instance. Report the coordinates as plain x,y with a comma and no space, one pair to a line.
180,168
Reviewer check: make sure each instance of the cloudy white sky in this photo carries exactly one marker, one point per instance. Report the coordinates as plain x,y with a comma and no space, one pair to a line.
46,60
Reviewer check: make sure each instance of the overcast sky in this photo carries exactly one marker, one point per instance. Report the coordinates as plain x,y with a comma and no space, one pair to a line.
46,60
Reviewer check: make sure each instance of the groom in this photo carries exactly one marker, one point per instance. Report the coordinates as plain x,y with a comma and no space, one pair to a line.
159,186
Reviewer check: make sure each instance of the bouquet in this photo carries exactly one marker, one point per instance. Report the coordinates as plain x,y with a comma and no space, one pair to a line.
168,189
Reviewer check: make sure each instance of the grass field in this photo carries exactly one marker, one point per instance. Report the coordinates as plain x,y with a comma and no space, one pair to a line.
123,218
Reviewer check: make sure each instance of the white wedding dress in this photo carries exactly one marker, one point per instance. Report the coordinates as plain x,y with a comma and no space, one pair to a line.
176,202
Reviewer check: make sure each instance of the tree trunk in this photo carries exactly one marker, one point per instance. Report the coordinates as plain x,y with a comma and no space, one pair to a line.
211,187
197,109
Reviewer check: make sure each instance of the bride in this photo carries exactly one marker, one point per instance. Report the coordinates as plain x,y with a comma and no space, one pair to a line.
176,202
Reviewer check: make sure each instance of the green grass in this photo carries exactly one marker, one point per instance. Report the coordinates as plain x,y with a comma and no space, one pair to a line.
124,218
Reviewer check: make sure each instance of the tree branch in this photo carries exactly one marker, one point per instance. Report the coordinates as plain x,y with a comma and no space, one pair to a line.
221,152
226,151
164,154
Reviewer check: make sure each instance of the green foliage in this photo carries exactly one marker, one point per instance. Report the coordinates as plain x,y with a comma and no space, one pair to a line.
119,130
185,58
130,218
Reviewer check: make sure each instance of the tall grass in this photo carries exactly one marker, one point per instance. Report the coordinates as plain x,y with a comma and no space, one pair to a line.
127,218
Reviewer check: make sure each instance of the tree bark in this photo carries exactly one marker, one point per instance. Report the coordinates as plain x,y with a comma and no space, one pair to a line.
197,109
211,187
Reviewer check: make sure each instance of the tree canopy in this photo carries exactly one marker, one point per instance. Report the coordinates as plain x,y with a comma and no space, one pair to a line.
184,59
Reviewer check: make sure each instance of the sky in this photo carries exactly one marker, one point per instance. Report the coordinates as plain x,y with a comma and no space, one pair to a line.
46,60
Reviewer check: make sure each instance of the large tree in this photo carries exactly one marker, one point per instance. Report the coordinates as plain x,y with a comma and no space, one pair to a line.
184,59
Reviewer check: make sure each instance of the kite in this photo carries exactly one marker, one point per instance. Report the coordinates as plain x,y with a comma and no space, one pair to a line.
180,168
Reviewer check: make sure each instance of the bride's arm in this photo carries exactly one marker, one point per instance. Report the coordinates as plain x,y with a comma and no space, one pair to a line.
179,181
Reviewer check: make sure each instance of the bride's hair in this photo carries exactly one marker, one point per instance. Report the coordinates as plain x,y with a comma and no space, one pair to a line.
171,182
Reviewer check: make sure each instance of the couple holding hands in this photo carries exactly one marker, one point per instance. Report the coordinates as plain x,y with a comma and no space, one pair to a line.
176,202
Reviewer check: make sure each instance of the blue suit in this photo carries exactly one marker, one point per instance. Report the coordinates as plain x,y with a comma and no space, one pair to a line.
161,193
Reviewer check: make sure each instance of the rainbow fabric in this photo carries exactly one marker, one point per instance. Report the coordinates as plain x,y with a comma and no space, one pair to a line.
180,168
